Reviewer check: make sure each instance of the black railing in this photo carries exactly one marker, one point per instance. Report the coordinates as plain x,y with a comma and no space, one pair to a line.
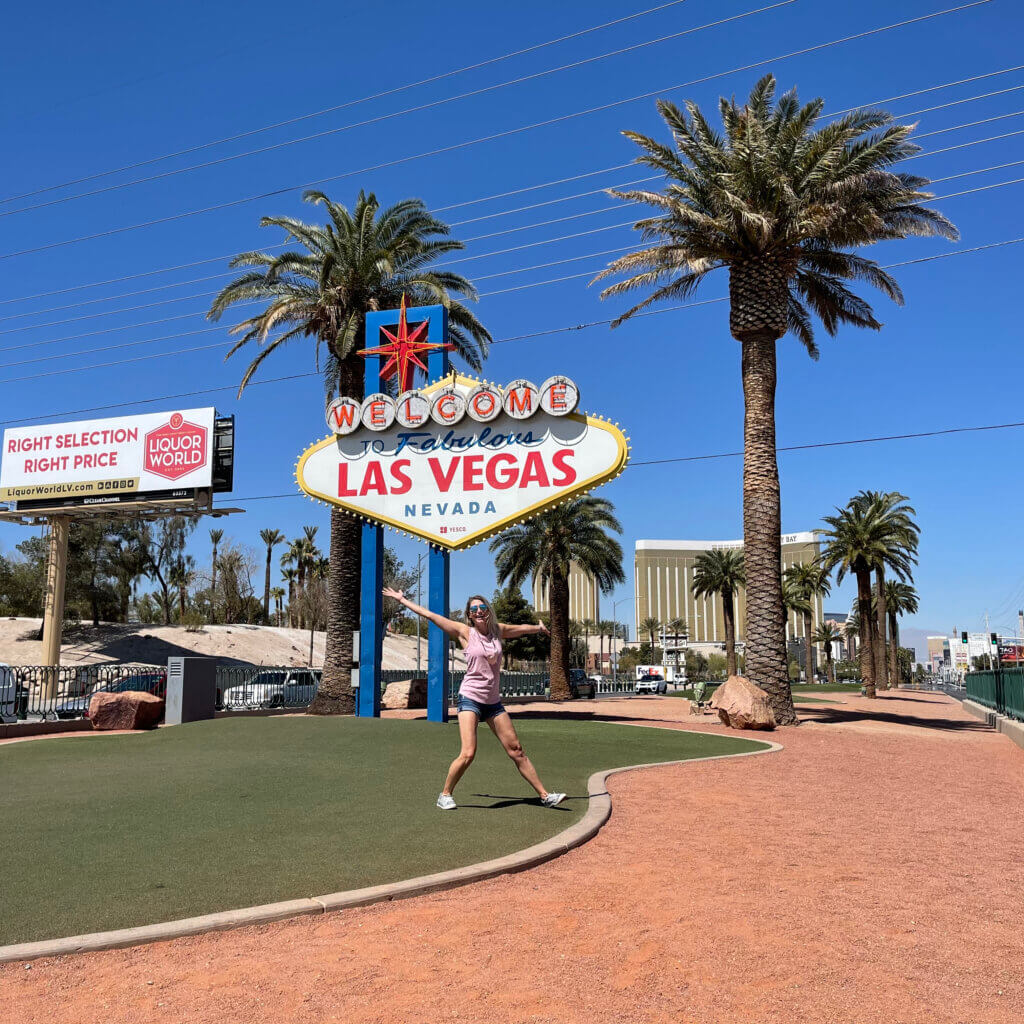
51,693
252,688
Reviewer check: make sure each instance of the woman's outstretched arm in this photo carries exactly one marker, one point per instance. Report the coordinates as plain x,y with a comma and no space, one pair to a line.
456,630
510,632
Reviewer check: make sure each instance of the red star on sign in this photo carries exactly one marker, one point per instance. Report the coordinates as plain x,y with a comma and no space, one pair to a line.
404,351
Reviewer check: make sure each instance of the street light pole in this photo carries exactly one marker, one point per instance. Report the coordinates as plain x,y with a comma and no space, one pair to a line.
615,625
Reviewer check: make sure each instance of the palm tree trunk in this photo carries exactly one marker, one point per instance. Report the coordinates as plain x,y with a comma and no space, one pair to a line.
830,665
558,591
266,588
881,668
808,648
729,619
894,650
213,586
335,696
762,528
867,630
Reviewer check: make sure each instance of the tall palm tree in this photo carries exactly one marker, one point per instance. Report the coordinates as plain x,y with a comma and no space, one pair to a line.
722,571
851,629
290,577
181,575
811,581
588,628
360,260
277,593
781,204
271,538
860,537
651,626
826,635
904,533
544,548
605,627
216,536
900,599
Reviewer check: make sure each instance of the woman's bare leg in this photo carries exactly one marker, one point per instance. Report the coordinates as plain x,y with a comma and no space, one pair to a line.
467,732
502,727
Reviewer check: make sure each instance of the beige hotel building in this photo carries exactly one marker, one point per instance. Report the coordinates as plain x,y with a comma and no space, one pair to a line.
584,597
664,577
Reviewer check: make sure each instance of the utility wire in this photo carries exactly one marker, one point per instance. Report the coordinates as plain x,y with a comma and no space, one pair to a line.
470,202
465,259
433,104
538,334
455,147
343,106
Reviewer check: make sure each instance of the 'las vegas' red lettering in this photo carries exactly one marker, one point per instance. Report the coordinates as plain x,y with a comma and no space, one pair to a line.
471,469
502,471
534,471
441,478
373,480
401,482
561,462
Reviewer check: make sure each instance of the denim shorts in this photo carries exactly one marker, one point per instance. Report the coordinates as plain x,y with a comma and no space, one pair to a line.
482,711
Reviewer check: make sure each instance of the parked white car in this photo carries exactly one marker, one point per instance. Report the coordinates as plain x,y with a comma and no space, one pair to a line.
651,683
274,688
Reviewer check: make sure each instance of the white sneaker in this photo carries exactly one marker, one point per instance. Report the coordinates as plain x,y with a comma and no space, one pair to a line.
446,802
553,799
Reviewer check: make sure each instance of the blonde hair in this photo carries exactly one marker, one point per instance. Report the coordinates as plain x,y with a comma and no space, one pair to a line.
495,630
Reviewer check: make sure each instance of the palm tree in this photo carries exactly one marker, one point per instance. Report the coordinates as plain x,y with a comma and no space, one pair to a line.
277,593
900,599
605,627
781,204
290,577
722,571
677,627
651,626
216,536
811,581
859,538
904,533
827,634
851,628
545,547
271,538
361,260
181,575
588,628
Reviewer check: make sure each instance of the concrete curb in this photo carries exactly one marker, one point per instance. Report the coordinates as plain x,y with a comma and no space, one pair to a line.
1009,727
598,812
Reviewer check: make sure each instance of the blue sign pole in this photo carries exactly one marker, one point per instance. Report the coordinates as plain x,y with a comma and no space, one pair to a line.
371,600
439,566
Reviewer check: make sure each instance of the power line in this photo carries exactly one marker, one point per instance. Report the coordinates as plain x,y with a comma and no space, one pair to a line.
834,444
536,284
398,113
343,106
470,202
738,454
193,313
454,147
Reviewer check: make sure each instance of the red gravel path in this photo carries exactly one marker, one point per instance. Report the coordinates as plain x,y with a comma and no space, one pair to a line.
870,872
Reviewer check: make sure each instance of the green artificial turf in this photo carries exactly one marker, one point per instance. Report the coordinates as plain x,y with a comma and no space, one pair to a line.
115,831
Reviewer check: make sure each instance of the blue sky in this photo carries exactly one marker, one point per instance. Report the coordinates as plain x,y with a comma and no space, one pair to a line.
85,90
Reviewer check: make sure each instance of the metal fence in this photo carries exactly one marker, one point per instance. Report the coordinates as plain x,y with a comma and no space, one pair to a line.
1002,690
52,693
258,687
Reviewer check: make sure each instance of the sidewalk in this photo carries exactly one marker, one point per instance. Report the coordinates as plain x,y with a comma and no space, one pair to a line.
870,872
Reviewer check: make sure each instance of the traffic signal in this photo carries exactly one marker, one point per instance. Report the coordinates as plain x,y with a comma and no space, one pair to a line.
963,637
994,637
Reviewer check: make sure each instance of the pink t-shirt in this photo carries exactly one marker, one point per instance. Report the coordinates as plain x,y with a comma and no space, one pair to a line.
483,668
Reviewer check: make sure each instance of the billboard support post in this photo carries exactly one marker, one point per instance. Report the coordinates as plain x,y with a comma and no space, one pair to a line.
53,610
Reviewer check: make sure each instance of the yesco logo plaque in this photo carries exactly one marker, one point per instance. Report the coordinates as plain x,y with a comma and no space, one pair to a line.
460,460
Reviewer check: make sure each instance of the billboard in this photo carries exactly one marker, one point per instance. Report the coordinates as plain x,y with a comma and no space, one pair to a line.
462,459
95,461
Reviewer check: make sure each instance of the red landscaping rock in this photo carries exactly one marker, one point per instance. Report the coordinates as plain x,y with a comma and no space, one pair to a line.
742,705
133,709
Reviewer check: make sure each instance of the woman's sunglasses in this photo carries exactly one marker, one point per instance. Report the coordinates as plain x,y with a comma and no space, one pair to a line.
478,608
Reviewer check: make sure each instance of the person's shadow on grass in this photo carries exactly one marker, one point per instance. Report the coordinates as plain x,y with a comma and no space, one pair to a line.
513,801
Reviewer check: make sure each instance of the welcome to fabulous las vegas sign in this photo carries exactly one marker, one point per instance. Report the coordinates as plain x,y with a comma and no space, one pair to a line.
457,461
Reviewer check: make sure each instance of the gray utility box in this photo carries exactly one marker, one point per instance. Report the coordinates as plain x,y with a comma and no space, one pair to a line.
191,690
